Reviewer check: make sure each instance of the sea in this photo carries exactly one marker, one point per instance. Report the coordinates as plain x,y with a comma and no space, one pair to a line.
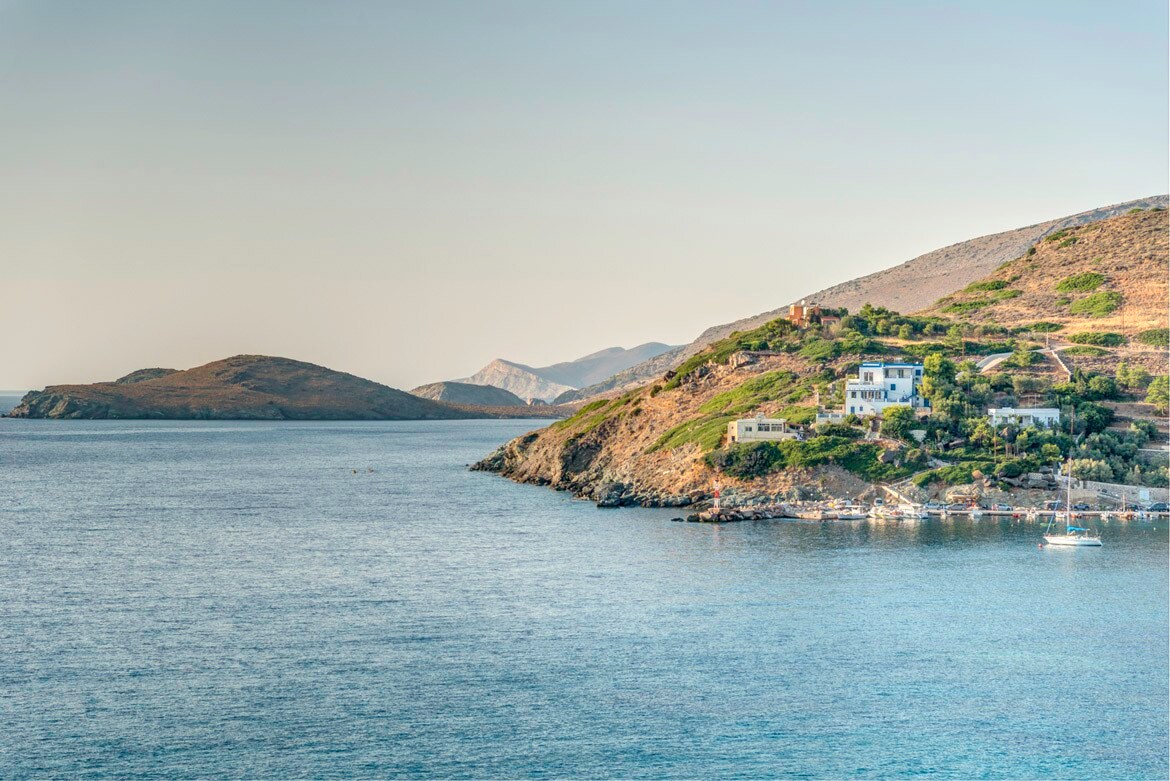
348,600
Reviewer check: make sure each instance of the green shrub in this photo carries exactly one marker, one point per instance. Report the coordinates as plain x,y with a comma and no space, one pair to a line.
980,287
957,474
1080,283
1023,358
819,350
1004,295
1158,394
1099,338
1084,352
1044,327
771,386
1097,304
1071,240
755,459
962,307
1056,236
706,431
1156,337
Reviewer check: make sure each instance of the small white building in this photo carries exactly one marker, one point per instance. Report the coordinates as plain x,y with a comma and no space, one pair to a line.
1024,416
880,385
759,429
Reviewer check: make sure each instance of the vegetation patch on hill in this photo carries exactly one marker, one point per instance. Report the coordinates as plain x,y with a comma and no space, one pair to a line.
1097,304
1098,338
757,459
1155,337
1086,282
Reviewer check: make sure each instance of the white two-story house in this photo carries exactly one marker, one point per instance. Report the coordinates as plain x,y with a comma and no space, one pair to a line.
880,385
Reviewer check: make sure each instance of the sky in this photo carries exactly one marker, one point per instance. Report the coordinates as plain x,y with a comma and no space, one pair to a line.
408,190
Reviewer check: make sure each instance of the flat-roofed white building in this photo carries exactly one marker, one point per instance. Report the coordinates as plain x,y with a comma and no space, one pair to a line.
759,429
880,385
1024,416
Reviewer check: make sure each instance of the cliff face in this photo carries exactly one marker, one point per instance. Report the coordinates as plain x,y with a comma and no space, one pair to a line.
646,447
903,288
245,387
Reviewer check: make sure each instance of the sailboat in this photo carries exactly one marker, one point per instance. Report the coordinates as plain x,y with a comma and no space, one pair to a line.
1073,535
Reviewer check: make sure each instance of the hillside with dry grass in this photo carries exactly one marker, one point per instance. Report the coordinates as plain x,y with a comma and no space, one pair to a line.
1099,292
903,287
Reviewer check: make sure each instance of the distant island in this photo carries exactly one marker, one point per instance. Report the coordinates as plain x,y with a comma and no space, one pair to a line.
249,387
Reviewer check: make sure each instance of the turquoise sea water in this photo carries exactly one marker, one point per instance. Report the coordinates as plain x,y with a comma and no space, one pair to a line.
187,600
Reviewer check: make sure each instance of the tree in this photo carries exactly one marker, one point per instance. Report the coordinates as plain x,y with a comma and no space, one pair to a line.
897,422
1050,452
954,338
1158,394
1132,377
905,332
939,366
1091,469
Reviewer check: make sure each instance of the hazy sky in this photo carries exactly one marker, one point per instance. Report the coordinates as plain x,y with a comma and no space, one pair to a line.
408,190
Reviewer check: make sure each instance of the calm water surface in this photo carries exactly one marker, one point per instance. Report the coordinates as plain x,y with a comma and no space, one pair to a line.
233,600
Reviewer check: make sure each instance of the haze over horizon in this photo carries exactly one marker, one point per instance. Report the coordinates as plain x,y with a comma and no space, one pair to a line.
407,192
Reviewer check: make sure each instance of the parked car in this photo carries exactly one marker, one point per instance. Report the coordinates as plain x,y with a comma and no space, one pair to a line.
1080,506
1159,507
1002,507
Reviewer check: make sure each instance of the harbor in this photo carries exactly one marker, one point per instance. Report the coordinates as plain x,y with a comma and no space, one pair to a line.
820,511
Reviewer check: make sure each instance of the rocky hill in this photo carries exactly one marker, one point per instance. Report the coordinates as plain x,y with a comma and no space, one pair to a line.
516,378
902,288
663,443
1098,291
245,387
466,393
547,383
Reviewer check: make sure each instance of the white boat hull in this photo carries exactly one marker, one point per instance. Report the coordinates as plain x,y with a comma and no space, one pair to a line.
1072,540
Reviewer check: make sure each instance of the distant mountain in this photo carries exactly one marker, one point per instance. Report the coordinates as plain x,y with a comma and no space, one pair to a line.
903,288
518,379
245,387
548,382
466,393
